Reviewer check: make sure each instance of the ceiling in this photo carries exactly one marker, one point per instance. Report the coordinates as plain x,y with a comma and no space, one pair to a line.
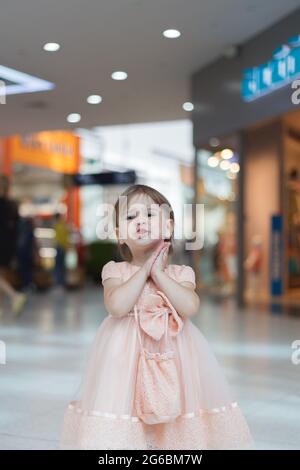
100,36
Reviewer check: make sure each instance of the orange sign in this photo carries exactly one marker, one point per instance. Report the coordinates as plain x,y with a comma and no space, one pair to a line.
56,150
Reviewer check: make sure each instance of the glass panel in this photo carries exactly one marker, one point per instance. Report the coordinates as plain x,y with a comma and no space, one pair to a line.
217,190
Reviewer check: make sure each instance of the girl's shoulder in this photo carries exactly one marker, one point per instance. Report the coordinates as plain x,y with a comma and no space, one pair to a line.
113,269
182,272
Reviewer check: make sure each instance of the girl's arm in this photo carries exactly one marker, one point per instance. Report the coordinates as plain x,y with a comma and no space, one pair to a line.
182,295
119,296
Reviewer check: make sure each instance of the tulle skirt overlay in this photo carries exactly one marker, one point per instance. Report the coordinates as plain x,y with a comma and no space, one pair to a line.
103,417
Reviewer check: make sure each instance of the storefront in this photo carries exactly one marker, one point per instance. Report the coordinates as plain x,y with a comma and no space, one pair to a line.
217,189
37,166
291,195
247,161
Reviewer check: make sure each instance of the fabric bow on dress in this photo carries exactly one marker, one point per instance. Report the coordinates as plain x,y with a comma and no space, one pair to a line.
152,316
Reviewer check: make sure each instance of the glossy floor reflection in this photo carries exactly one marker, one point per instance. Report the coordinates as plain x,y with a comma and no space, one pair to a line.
48,345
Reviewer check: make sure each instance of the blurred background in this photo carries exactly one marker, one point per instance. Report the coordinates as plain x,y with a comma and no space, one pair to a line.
197,99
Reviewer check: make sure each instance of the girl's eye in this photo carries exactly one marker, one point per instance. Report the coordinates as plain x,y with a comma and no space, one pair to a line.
130,217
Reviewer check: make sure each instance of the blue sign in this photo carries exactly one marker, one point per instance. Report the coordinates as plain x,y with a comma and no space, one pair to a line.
276,247
283,68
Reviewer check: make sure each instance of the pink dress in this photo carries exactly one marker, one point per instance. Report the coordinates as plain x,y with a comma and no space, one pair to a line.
103,415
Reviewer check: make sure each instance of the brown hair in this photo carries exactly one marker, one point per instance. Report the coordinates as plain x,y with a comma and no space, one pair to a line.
157,197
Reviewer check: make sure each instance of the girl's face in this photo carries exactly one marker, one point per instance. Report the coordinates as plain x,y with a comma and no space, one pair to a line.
144,223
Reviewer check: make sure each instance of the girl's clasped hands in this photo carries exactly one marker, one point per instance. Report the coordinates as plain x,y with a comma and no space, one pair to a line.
158,260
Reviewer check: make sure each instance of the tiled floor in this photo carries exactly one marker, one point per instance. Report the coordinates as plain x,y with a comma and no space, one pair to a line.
47,347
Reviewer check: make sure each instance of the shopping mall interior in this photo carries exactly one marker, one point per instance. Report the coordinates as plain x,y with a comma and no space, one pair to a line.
197,100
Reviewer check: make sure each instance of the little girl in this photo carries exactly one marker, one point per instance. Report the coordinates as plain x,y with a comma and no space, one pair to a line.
109,413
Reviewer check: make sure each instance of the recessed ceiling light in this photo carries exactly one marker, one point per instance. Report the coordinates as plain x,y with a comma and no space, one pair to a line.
119,75
94,99
213,161
231,52
235,167
51,46
187,106
214,142
225,165
227,154
172,33
73,117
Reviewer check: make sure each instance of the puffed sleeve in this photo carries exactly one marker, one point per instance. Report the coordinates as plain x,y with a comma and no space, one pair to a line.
110,269
186,273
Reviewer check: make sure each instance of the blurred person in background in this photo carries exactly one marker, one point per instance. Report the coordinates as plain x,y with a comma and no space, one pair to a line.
8,239
62,243
25,251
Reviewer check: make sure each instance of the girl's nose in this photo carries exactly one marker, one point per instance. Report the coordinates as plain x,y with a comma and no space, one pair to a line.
141,221
140,225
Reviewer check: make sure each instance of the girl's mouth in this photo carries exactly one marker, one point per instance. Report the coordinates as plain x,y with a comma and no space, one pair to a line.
141,231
